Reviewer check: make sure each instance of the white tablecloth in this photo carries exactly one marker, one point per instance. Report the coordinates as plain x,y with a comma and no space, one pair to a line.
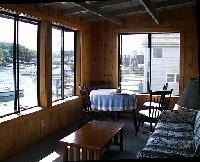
108,99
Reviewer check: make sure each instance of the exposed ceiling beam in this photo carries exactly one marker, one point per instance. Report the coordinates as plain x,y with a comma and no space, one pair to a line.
98,4
96,11
150,9
103,4
140,9
126,11
176,3
45,4
72,10
122,12
158,6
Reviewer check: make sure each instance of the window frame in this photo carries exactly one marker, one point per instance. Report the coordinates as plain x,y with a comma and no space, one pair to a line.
63,29
16,19
151,58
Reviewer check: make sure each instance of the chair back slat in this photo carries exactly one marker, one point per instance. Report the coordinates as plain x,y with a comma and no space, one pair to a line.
159,101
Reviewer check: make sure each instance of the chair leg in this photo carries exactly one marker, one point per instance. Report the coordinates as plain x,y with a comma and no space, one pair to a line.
113,115
118,114
151,127
135,121
91,115
96,115
137,128
142,123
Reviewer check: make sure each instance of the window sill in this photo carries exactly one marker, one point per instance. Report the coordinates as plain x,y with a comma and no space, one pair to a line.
22,113
64,100
33,110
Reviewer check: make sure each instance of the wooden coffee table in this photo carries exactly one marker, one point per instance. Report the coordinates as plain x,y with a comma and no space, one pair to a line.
90,141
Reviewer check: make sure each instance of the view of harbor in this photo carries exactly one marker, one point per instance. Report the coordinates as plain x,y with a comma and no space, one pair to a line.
18,64
27,87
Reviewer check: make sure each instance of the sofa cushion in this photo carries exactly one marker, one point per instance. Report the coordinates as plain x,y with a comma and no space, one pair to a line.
197,134
170,140
178,116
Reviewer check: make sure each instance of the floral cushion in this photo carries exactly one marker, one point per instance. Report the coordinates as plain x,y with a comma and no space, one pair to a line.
170,140
197,134
177,134
178,116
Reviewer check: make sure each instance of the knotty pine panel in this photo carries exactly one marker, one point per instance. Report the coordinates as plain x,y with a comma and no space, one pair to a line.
104,56
86,59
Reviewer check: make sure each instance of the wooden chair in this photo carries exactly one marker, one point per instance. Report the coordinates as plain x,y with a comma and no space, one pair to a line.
86,104
98,84
159,101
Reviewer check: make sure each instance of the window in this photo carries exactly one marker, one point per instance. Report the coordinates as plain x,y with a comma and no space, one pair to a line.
170,77
140,65
63,63
157,52
174,78
18,63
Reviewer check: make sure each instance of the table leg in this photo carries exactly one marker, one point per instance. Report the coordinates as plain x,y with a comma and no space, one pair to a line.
135,120
65,151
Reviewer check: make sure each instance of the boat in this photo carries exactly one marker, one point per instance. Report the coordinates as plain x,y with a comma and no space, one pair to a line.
29,71
56,72
6,93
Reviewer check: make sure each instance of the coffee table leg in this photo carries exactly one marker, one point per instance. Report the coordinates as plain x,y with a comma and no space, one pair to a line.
65,151
98,154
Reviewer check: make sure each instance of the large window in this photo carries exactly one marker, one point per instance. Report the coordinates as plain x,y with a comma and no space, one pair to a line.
148,61
18,63
63,63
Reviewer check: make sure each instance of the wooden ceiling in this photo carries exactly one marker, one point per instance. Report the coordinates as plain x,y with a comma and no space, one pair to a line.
114,10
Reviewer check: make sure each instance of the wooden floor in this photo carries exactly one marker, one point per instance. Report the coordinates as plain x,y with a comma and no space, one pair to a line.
50,150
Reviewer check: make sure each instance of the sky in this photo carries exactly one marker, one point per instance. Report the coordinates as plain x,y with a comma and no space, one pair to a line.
28,35
132,42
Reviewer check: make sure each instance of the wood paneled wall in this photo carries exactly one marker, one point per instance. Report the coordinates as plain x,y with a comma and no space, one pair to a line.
23,131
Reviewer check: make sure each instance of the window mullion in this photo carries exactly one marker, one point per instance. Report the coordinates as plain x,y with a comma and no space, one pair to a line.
150,56
14,64
62,63
17,59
